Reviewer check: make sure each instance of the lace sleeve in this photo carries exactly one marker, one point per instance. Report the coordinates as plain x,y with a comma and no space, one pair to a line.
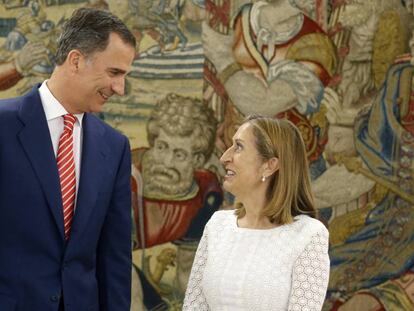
311,275
194,296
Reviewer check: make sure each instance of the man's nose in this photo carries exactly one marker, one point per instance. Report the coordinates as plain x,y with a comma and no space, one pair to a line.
168,158
118,86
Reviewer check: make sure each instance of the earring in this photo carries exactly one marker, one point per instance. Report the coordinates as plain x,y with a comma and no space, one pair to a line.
263,178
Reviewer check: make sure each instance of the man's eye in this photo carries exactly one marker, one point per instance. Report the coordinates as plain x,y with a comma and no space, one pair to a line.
160,147
238,147
180,156
113,73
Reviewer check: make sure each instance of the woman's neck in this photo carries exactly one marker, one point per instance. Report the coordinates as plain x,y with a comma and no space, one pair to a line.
254,218
255,222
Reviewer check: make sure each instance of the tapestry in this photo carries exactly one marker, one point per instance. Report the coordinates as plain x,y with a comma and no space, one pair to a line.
339,69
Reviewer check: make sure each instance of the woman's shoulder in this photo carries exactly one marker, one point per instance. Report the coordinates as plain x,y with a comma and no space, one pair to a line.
223,215
304,231
310,226
220,222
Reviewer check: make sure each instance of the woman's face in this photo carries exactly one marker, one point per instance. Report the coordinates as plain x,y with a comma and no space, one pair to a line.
243,164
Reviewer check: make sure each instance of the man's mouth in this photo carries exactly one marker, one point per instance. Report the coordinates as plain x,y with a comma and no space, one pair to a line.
104,96
230,173
165,175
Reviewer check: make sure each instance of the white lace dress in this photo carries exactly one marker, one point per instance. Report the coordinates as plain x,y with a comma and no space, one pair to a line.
284,268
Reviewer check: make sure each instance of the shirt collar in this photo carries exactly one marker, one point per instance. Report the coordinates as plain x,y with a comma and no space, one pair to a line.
52,107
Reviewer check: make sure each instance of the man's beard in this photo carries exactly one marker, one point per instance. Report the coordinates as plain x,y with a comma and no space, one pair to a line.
172,182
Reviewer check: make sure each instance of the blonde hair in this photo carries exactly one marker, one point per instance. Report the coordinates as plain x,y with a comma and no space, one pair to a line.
289,192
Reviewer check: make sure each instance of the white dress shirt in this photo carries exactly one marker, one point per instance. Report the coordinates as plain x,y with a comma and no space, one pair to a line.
54,112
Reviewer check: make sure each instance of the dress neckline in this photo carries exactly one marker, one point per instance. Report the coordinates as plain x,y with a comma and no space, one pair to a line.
282,227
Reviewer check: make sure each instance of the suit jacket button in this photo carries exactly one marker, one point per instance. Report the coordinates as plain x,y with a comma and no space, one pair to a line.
54,298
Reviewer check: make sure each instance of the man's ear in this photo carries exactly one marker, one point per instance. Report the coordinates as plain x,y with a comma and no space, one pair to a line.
200,159
74,59
271,166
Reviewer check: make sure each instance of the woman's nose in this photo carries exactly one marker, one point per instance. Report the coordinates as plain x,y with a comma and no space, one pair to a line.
226,156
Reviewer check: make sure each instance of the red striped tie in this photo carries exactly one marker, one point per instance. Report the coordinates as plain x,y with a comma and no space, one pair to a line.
66,167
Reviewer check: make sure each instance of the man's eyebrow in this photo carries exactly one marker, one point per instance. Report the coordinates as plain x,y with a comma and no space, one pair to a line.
238,140
180,149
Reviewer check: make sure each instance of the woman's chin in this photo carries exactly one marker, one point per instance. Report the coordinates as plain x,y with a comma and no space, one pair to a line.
227,185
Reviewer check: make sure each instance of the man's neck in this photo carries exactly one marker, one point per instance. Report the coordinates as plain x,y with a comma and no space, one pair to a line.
58,84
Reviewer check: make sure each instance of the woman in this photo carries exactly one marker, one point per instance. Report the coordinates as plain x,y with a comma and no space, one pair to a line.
270,253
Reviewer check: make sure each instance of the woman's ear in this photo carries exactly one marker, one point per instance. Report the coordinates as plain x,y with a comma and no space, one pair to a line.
271,166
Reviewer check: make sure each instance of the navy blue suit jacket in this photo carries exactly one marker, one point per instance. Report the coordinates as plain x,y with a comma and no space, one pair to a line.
93,269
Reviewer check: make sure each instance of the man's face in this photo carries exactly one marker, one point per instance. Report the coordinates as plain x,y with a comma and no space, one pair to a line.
168,167
102,74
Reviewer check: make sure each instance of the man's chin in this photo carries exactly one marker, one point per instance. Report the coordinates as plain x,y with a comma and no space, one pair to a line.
168,193
162,191
98,108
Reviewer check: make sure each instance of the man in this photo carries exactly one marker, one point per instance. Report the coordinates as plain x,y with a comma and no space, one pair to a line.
177,196
181,133
64,185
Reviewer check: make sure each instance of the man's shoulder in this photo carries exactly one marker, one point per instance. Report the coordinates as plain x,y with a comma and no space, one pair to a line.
107,129
9,109
136,156
207,181
203,175
13,104
10,106
113,142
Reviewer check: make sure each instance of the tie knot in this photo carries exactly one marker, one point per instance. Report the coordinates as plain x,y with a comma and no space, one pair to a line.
69,120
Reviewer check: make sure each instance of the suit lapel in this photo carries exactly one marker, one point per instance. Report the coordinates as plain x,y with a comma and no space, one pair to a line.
36,141
94,151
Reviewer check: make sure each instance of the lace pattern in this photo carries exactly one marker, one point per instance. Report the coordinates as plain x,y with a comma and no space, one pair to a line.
194,297
310,276
286,268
